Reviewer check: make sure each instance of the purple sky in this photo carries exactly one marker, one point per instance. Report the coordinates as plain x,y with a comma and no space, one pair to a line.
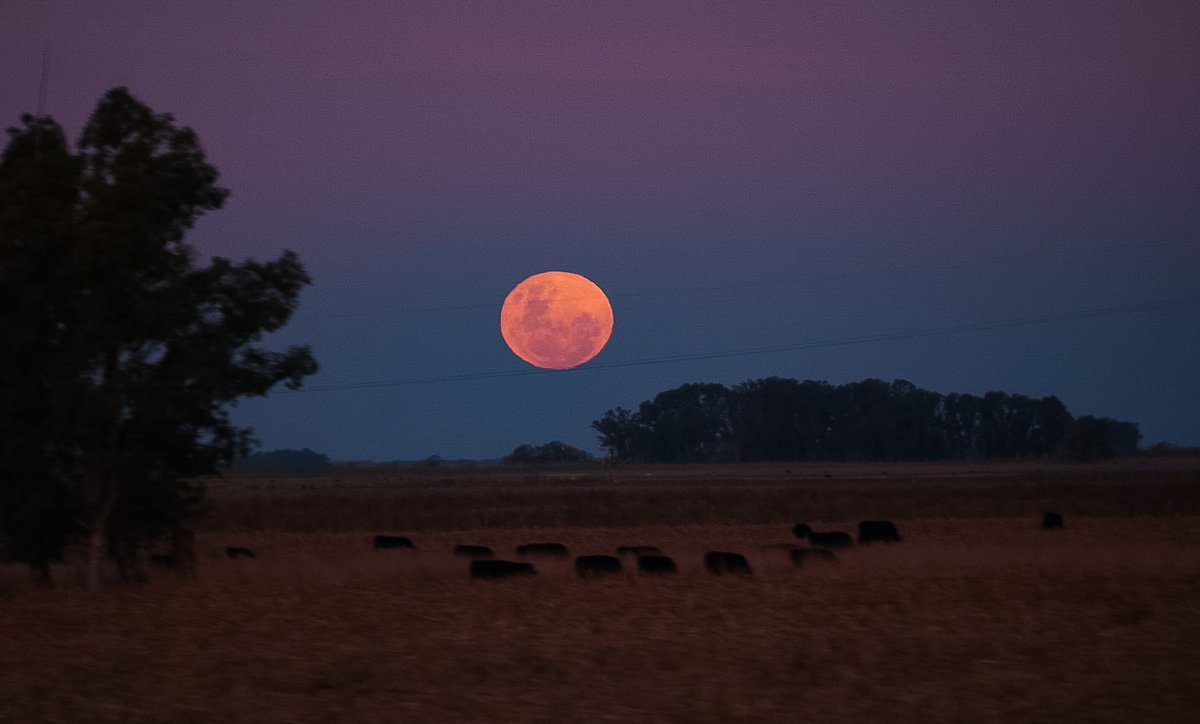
776,174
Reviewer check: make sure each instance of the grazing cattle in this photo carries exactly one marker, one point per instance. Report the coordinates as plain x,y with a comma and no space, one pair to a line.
800,556
473,551
870,531
802,530
542,549
494,568
597,565
389,542
723,562
638,551
830,539
236,553
1052,520
656,564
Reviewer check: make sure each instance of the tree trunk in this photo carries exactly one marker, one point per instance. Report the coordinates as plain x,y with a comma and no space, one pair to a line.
97,548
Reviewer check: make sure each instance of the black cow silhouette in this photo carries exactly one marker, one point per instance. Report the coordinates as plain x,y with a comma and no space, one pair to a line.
725,562
802,530
235,553
801,556
495,568
656,564
389,542
830,539
542,549
870,531
473,551
1052,520
638,551
597,565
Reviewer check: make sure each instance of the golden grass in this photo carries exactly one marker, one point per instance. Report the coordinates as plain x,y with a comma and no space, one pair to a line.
975,617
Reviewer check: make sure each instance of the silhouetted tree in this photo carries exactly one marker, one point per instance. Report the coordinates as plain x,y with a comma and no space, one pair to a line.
284,461
781,419
691,423
916,431
864,419
1094,438
120,356
769,415
960,425
1051,424
551,452
623,435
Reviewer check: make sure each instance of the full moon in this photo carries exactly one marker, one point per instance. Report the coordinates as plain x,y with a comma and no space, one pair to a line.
556,320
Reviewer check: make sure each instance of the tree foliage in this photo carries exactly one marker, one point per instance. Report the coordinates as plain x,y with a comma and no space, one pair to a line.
1095,438
283,461
121,355
551,452
784,419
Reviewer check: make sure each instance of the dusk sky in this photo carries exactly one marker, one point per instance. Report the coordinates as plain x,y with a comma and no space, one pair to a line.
800,189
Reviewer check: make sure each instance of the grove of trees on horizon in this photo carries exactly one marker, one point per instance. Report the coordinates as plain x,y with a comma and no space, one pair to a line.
778,419
783,419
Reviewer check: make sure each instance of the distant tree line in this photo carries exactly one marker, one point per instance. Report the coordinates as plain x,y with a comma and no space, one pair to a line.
283,461
551,452
777,419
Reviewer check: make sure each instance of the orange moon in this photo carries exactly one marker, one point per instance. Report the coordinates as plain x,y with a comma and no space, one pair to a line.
556,320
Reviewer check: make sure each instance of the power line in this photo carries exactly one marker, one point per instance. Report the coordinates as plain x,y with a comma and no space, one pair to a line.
1070,316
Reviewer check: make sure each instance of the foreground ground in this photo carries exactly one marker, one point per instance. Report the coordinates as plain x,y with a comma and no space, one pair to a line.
973,617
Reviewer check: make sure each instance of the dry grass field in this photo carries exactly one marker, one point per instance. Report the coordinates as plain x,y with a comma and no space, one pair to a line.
978,615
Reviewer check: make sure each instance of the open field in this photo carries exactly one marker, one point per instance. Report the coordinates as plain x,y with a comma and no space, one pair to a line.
630,496
978,615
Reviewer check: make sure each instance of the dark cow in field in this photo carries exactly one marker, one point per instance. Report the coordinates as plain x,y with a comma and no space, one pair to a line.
656,564
597,565
802,530
638,551
235,553
871,531
390,542
830,539
494,568
724,562
542,549
801,556
1052,520
473,551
